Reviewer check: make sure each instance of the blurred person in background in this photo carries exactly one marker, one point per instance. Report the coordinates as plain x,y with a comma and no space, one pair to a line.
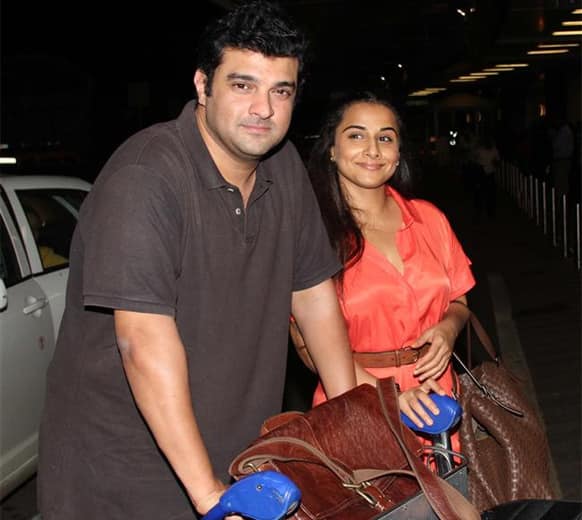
487,160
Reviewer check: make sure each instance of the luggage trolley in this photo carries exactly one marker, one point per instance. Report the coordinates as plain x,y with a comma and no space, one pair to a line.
269,495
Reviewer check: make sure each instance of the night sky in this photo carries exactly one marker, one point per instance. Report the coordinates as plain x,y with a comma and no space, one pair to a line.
78,78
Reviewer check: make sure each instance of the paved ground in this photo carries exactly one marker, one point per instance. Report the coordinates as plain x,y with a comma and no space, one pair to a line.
528,298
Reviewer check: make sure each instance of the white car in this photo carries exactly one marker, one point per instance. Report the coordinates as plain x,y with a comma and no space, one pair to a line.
37,218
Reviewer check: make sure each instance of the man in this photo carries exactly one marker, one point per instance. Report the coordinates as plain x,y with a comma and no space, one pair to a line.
199,238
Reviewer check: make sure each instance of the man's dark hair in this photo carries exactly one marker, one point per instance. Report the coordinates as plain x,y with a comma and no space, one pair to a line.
257,26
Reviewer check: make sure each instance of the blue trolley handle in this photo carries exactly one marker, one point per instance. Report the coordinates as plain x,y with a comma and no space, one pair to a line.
266,495
450,413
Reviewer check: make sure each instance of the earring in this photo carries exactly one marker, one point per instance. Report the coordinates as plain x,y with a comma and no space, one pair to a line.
332,158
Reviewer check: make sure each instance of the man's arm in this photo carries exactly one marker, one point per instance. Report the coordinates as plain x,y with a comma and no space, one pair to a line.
322,325
155,364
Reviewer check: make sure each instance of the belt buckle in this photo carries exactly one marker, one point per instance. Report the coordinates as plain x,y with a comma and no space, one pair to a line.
415,355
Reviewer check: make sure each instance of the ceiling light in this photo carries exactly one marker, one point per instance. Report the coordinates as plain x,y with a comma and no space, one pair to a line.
572,22
471,77
513,65
490,73
427,91
461,12
577,11
7,160
499,69
567,33
459,80
556,45
549,51
399,65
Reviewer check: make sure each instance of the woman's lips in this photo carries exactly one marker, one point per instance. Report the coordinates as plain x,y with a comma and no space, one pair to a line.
371,166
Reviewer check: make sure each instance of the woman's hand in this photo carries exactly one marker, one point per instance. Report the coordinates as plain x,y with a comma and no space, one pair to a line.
411,402
441,338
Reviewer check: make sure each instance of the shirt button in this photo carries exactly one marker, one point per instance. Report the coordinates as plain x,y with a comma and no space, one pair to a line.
238,211
230,190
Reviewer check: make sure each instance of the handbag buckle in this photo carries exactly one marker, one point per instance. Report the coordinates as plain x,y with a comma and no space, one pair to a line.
359,489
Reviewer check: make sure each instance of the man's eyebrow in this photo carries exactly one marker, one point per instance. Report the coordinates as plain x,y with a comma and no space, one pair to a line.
290,84
236,75
254,79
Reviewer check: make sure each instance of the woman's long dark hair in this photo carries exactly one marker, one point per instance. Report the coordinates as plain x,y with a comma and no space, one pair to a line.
344,233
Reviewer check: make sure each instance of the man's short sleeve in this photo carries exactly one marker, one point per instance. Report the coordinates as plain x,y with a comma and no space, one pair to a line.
131,234
316,260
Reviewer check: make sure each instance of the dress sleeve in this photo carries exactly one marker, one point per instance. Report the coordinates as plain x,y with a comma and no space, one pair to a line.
131,236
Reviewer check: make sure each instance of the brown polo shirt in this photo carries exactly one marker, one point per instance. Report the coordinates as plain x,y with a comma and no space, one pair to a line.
163,232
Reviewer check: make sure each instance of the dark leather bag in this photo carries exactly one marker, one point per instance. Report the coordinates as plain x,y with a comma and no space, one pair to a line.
352,458
502,435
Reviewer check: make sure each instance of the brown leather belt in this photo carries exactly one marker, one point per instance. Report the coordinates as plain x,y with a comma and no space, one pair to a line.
390,358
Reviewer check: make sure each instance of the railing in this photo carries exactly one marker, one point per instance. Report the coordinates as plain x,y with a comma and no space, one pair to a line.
555,214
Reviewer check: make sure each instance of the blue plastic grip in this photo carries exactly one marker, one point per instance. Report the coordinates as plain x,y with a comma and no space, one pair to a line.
266,495
450,412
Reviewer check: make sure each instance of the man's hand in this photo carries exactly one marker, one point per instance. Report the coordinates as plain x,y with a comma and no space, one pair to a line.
206,503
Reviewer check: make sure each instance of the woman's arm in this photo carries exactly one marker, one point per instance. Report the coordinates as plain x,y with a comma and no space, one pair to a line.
442,340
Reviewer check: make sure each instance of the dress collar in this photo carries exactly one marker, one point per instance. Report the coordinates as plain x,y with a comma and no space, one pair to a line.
407,208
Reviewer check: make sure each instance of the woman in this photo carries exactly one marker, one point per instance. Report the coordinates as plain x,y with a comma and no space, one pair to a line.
405,276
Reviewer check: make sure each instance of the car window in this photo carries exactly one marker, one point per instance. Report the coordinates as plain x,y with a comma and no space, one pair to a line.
52,215
9,271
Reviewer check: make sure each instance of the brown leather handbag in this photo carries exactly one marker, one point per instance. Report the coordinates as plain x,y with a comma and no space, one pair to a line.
501,433
352,458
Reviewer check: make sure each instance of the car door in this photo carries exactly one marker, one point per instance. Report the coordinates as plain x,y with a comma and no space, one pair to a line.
47,213
27,340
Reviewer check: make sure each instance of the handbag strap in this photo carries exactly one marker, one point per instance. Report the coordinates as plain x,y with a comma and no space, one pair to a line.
489,347
484,338
446,501
485,389
350,478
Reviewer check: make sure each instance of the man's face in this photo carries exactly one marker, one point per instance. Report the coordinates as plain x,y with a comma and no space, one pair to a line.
251,103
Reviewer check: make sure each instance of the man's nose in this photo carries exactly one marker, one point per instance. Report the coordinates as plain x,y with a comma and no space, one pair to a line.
261,106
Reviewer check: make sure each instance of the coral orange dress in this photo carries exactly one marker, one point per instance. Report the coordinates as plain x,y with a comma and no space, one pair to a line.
386,310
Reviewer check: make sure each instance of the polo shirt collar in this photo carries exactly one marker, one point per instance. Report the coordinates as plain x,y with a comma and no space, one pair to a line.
200,157
408,210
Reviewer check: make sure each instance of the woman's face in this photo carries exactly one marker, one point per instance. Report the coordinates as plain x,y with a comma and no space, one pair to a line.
367,146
